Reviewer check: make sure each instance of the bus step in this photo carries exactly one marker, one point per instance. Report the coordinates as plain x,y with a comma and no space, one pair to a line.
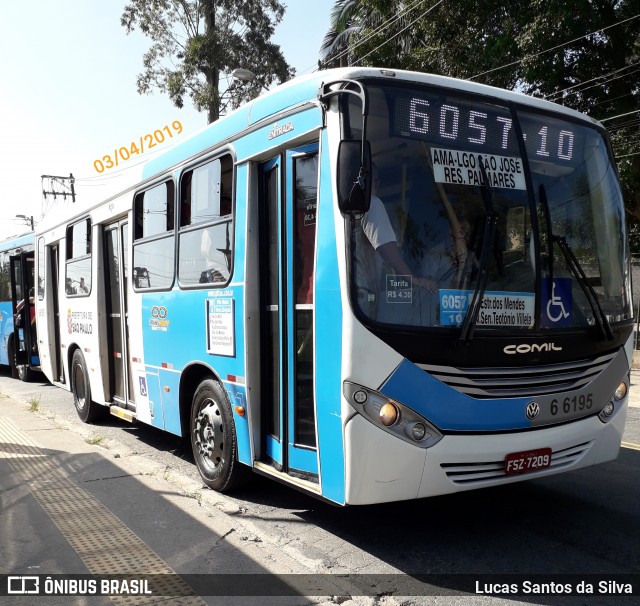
122,413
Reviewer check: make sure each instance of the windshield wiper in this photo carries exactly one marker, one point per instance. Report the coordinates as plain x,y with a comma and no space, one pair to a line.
487,246
576,269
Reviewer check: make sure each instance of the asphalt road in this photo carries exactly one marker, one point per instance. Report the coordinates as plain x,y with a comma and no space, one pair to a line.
582,523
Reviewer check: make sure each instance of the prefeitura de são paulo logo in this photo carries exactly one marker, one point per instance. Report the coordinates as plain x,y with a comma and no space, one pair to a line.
80,322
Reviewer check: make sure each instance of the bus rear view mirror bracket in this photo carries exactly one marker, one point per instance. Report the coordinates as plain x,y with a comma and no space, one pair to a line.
354,178
354,156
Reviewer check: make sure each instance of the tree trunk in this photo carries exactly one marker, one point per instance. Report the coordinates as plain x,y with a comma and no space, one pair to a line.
212,74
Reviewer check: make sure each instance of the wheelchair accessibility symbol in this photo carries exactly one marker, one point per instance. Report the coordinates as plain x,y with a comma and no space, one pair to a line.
557,307
143,386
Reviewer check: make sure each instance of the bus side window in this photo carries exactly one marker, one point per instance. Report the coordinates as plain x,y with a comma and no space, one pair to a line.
5,278
153,240
78,276
206,223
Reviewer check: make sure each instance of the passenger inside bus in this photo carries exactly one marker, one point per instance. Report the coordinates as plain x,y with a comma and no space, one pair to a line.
440,264
19,318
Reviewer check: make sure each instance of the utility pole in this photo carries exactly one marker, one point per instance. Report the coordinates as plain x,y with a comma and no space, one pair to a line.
66,183
28,219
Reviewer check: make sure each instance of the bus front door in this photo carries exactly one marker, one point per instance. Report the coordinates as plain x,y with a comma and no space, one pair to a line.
287,253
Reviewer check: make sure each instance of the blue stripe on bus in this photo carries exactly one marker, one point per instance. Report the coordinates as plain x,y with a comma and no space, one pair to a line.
328,323
237,122
450,410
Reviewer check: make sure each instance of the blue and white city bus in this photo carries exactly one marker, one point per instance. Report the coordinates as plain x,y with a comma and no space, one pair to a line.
18,341
466,322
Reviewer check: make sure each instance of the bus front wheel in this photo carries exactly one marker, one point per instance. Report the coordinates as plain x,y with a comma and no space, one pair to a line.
213,438
87,410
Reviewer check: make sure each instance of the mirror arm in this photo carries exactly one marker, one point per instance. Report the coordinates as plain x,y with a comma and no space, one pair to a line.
325,93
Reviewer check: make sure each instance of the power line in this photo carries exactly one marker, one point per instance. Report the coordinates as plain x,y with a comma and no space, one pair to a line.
383,25
627,155
580,85
635,111
548,50
398,33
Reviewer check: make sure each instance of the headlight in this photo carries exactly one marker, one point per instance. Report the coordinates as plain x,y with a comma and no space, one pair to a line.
392,416
605,414
388,414
416,431
621,392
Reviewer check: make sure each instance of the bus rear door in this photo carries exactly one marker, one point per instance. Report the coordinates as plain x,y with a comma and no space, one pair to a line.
117,276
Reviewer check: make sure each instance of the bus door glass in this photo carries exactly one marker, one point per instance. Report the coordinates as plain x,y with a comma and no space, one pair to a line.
22,280
287,252
116,276
54,272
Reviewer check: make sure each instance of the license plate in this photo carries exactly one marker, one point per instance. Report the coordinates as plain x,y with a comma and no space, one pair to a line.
527,460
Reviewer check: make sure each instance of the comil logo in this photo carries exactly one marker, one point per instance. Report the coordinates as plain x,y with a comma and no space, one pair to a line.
525,348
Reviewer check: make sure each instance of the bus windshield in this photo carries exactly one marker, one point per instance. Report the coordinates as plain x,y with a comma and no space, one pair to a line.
486,198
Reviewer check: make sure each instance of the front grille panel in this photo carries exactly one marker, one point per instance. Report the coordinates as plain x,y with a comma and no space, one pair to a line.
477,473
522,381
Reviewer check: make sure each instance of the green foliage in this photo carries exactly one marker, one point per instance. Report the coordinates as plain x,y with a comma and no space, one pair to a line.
563,50
195,43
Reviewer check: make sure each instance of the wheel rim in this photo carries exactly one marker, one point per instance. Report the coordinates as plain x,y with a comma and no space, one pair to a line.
209,435
79,387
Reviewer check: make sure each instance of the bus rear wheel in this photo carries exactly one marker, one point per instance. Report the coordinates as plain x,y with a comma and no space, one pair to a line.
213,438
87,410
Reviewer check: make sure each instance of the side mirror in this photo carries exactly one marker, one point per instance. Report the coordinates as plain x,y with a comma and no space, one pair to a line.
354,178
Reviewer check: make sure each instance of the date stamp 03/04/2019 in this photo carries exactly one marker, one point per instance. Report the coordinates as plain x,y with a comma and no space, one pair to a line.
143,144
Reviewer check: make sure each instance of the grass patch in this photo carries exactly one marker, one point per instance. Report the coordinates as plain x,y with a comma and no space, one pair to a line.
95,440
34,405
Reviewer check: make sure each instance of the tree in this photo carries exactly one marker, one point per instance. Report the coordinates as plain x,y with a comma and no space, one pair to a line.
584,54
195,43
346,20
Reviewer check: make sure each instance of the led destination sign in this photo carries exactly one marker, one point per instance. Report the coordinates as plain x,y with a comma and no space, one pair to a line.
489,129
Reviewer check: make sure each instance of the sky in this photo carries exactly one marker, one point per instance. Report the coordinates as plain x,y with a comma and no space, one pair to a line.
68,96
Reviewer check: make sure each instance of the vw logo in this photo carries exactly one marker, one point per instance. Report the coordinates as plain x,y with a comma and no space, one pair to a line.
533,410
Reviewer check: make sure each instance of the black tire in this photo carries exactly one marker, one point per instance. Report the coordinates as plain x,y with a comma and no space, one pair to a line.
87,410
12,359
213,438
25,374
